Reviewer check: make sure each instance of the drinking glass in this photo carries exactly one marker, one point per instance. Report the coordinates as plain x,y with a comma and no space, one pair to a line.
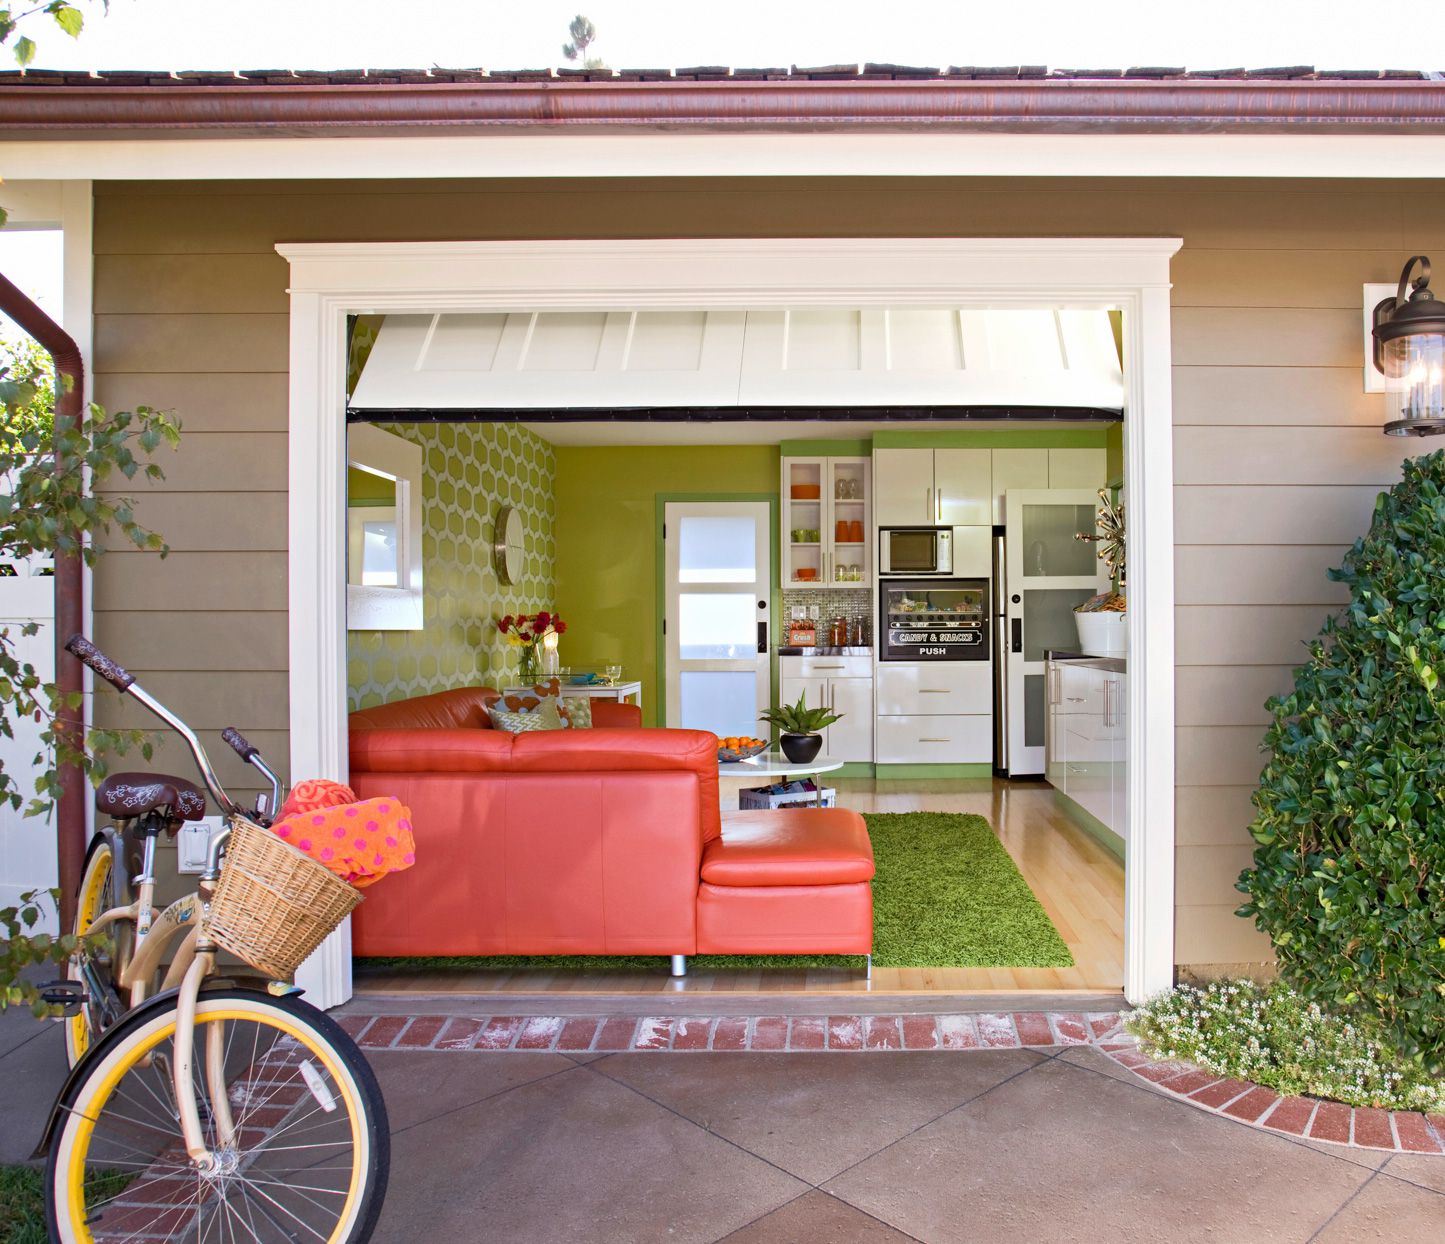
614,673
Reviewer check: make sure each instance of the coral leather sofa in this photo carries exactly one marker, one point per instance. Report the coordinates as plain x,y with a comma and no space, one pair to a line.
601,841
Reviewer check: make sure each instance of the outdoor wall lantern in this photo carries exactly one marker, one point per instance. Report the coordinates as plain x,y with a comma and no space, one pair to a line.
1409,335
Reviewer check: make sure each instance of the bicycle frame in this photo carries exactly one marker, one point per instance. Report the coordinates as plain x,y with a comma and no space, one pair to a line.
182,923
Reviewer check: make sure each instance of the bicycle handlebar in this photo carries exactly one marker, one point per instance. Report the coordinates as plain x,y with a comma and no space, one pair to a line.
239,744
114,673
122,680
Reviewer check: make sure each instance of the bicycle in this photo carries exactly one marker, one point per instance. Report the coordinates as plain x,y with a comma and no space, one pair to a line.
214,1108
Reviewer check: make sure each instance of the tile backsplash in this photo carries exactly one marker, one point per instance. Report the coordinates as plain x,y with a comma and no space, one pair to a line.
850,603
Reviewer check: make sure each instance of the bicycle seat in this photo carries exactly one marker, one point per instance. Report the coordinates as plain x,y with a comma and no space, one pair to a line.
128,795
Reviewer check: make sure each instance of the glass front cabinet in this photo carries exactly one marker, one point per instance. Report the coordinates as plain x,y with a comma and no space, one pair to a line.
826,518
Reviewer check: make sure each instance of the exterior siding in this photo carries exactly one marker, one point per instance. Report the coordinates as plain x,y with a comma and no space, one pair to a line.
1278,452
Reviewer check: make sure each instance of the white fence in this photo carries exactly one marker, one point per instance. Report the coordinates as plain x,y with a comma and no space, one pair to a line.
27,843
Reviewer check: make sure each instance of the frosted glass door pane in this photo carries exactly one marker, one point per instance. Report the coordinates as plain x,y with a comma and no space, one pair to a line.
1049,546
723,702
717,627
378,554
1049,620
1035,710
718,550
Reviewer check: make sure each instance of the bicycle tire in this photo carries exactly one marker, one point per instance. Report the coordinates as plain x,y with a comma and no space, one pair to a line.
161,1189
97,893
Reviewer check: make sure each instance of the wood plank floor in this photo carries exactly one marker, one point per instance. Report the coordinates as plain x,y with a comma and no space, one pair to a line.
1079,883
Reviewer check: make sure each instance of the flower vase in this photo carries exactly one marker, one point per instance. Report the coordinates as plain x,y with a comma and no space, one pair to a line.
527,667
551,661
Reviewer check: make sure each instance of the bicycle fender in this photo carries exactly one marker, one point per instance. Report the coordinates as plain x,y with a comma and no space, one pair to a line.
164,1000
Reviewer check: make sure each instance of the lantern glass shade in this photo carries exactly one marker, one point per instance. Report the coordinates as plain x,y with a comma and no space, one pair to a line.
1410,351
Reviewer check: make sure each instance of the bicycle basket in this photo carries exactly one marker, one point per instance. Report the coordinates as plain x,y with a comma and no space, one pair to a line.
273,905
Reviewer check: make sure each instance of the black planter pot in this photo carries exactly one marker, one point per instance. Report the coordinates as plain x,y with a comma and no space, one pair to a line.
801,748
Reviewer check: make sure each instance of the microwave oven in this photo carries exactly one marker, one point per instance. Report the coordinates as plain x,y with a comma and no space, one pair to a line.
909,552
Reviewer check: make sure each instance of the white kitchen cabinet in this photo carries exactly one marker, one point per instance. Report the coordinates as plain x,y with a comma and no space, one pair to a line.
1078,468
852,737
842,684
963,485
1086,740
933,487
1017,468
903,487
915,739
827,530
938,688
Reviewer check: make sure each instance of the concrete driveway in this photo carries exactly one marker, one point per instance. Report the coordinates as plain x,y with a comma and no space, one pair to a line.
757,1147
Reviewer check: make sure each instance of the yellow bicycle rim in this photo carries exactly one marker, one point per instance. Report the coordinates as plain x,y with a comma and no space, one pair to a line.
86,1110
89,905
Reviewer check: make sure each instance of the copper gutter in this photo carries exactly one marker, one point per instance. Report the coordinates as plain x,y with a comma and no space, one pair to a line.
36,110
69,597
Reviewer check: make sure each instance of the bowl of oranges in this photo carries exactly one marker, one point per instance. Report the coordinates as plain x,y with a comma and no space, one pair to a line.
737,747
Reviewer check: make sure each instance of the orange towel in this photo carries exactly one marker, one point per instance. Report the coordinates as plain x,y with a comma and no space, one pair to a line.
316,793
359,842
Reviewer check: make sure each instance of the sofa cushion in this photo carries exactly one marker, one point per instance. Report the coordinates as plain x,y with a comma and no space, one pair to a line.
790,847
430,751
444,710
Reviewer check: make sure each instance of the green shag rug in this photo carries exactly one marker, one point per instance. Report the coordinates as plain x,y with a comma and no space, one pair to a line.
946,894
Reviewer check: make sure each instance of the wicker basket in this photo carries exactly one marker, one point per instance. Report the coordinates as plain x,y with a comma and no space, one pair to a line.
273,904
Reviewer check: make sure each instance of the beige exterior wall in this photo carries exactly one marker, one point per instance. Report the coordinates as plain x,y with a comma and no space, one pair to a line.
1278,453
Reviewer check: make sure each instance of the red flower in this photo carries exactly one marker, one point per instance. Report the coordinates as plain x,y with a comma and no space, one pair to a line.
544,618
505,624
560,627
539,628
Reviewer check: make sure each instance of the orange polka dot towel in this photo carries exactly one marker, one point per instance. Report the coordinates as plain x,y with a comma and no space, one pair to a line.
359,842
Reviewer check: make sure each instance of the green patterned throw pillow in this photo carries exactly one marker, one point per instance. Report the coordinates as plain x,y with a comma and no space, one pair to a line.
543,717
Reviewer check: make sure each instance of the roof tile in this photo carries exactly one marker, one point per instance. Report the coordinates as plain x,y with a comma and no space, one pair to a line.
1286,71
901,71
1087,73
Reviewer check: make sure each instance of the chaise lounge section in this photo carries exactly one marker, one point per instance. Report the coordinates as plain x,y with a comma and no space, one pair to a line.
605,841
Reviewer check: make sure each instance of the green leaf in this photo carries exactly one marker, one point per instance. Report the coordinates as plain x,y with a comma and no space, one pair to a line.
69,19
24,51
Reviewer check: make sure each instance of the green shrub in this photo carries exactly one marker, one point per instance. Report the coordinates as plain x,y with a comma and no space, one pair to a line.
1349,863
1271,1035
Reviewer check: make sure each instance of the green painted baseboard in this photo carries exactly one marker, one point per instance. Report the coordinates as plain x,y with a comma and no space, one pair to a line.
1091,825
904,773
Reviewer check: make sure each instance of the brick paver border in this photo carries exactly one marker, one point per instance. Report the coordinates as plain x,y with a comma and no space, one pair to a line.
1251,1104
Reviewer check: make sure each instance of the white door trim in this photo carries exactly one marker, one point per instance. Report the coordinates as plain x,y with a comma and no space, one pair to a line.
330,280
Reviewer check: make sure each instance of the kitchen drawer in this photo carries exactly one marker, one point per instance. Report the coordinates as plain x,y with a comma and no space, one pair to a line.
825,667
955,740
934,688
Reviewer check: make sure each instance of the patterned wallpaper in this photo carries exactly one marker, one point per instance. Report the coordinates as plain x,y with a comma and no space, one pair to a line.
471,471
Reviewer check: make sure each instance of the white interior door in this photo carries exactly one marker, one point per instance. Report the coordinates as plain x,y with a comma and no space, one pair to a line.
718,571
1049,572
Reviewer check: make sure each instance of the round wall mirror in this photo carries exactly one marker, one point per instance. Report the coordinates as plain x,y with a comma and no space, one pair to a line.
507,545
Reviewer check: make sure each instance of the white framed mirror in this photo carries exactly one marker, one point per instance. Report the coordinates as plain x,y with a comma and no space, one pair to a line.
383,531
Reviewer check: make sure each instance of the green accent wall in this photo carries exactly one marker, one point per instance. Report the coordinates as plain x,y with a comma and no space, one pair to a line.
470,470
608,547
1114,445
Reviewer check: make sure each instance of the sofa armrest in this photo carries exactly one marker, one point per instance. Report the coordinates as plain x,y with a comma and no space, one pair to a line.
612,715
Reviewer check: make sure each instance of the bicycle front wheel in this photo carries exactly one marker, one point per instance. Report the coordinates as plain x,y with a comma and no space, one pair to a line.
98,892
289,1107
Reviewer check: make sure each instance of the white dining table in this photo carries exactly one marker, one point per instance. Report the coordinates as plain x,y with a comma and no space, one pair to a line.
619,691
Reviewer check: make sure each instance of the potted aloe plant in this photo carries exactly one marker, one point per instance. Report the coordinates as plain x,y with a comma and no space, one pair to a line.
798,728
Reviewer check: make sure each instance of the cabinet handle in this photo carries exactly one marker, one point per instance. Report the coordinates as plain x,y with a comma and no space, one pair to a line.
827,667
935,740
932,690
1108,702
938,505
1075,769
930,500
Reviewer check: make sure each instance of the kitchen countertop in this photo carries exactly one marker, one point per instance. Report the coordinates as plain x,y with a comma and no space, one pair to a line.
824,650
1115,665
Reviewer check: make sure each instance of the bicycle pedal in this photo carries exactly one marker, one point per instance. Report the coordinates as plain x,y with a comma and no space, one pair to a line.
69,995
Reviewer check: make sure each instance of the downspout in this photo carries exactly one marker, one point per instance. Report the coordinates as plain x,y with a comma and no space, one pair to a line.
69,597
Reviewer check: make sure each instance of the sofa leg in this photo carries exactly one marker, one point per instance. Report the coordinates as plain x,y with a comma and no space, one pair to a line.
867,967
679,965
